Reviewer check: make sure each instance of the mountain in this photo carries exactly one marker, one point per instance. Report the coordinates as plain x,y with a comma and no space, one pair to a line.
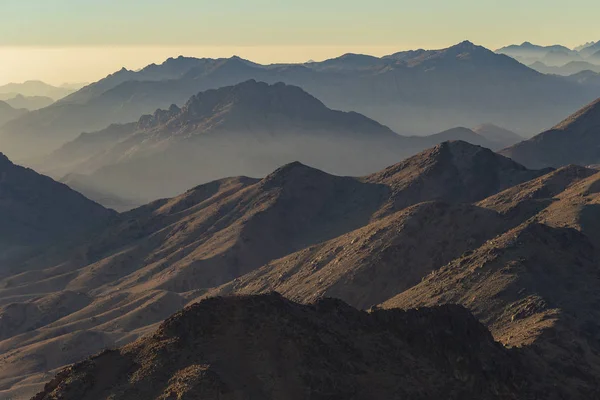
29,102
34,88
591,49
574,141
586,77
415,93
7,112
270,348
37,211
152,260
528,53
521,260
583,46
500,136
567,69
247,129
536,285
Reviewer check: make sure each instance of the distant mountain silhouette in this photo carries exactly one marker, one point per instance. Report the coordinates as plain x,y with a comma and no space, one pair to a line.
29,102
250,129
34,88
500,136
528,53
7,112
569,68
591,49
460,133
583,46
586,77
415,92
576,140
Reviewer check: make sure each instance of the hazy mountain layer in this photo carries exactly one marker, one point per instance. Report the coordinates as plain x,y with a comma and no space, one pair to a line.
415,92
34,88
29,102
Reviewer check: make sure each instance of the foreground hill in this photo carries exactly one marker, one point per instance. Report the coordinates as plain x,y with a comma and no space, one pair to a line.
35,211
159,257
574,141
415,92
270,348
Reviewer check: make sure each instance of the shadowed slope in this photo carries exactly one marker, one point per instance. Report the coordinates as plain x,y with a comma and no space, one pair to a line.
269,348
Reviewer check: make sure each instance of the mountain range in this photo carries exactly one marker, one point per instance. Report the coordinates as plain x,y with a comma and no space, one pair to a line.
117,283
36,88
250,128
456,223
267,245
416,92
29,102
556,59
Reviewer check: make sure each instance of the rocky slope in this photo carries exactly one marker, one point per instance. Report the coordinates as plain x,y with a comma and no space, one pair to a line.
158,257
270,348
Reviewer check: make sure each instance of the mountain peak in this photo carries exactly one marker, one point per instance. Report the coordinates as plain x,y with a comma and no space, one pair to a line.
292,173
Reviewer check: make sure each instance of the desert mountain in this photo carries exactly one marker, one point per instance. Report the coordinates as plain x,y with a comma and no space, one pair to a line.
270,348
250,128
34,88
29,102
415,92
156,258
573,141
36,211
7,112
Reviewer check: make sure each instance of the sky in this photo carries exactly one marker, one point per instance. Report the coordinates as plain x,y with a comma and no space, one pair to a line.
83,40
